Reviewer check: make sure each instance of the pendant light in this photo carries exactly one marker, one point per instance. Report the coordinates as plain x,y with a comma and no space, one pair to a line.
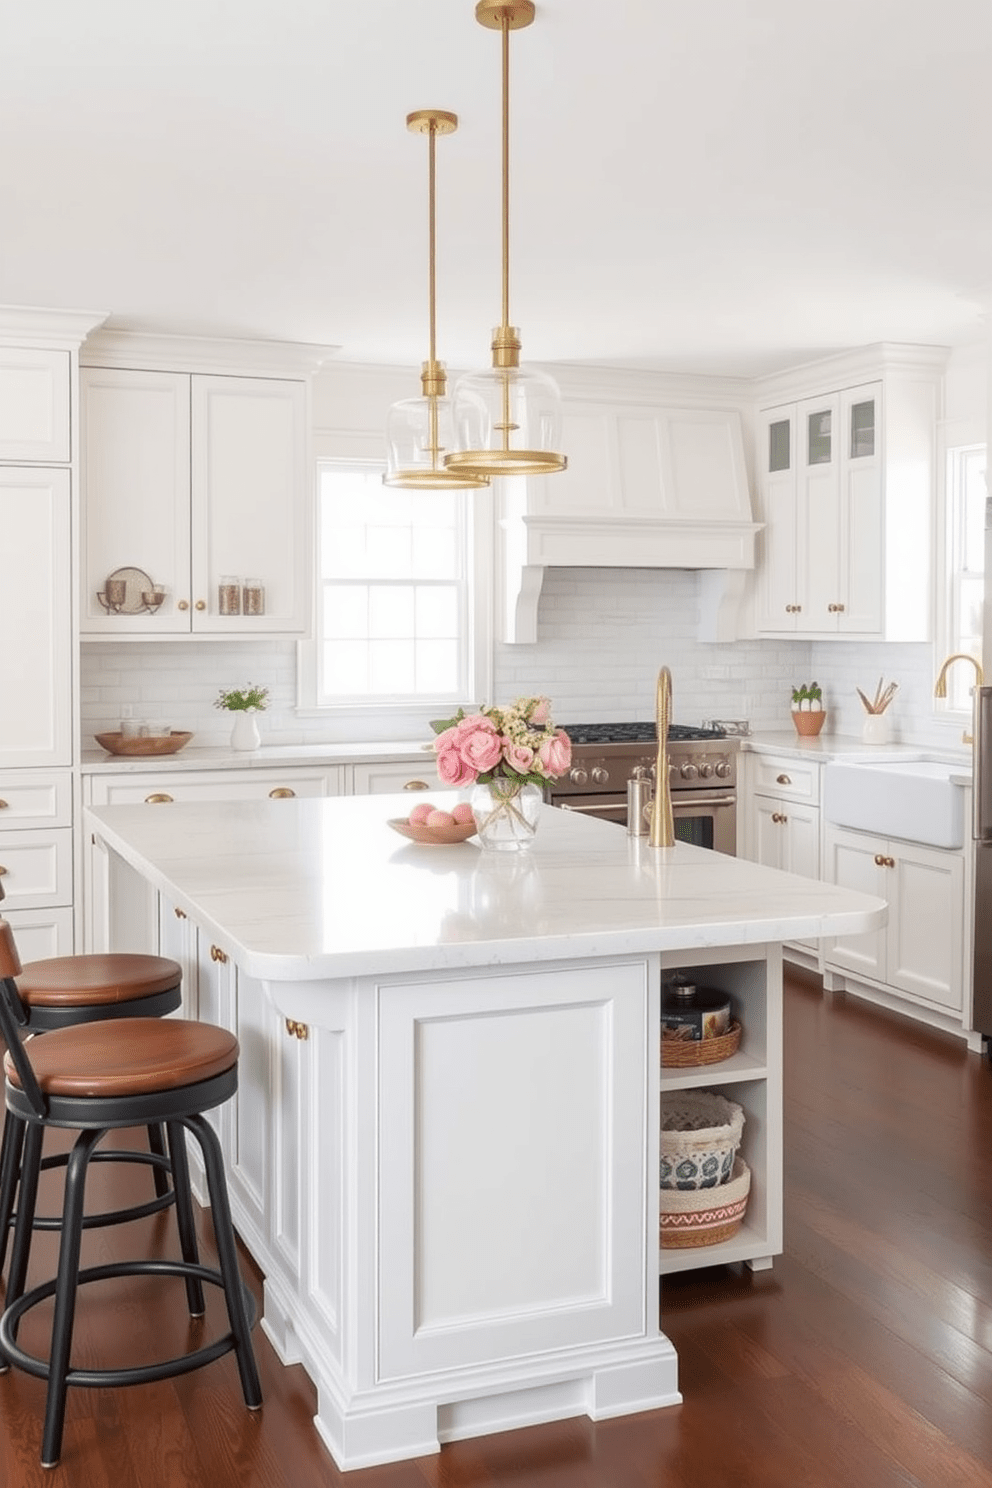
507,417
420,431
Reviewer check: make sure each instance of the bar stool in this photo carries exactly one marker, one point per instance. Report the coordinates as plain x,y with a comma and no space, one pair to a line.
67,990
92,1078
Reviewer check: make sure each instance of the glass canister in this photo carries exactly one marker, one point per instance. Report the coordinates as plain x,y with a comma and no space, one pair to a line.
229,595
253,597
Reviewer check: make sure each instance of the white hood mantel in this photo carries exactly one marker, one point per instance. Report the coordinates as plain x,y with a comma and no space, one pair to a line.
646,487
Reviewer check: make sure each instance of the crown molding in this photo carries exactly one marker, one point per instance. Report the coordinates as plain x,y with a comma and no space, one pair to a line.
847,369
164,352
27,325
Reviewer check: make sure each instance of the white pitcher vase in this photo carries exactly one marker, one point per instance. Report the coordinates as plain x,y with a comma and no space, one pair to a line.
244,734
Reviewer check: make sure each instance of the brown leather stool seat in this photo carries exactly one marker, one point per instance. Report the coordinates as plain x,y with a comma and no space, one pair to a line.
68,991
93,1078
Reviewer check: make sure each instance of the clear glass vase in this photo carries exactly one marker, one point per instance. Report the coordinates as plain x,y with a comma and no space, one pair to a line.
506,814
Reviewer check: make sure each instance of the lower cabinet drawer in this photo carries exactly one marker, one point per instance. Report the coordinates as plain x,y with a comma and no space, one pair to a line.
36,869
41,933
233,785
790,779
30,799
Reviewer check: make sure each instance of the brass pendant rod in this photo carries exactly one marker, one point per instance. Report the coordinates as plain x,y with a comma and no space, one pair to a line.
432,236
505,30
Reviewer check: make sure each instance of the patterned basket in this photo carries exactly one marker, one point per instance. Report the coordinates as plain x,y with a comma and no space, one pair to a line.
683,1053
700,1134
707,1216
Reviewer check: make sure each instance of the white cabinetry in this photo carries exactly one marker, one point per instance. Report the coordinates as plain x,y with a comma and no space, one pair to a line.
846,475
753,1078
191,478
391,775
919,955
35,396
782,816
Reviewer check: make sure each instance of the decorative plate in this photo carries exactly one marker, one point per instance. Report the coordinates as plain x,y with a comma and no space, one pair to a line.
136,585
432,836
160,744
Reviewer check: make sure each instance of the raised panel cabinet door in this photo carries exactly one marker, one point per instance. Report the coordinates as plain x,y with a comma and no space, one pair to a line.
861,521
768,841
851,860
925,940
134,455
34,405
250,503
802,828
35,617
41,933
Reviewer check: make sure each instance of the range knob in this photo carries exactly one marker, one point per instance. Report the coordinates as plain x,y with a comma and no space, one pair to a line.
688,772
600,776
705,770
723,769
577,775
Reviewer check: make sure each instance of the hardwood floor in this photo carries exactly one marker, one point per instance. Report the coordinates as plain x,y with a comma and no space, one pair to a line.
863,1359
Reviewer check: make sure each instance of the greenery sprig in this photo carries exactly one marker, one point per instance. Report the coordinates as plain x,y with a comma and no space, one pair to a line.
242,699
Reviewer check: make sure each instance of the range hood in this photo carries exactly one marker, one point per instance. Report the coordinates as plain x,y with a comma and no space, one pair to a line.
645,488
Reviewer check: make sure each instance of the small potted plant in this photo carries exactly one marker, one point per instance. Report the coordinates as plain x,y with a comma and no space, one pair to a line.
808,712
244,703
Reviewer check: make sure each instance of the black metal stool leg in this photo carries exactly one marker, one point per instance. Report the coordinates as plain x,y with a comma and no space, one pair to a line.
65,1294
184,1214
10,1166
227,1255
26,1199
156,1144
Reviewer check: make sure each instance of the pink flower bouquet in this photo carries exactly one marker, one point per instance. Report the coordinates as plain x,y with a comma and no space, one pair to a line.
518,743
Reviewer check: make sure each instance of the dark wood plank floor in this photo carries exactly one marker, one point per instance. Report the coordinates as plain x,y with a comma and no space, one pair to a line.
863,1359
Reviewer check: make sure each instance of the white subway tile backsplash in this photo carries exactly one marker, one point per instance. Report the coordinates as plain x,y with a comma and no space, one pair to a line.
602,636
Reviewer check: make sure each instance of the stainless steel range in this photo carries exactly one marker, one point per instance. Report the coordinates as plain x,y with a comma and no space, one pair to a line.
702,774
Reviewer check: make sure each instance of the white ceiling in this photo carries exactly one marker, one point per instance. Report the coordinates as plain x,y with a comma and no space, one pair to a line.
722,187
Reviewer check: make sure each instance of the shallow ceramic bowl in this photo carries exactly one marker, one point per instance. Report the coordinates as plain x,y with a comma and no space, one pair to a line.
432,836
157,744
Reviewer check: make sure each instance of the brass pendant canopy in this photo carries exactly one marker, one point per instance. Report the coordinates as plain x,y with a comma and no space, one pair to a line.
507,417
420,431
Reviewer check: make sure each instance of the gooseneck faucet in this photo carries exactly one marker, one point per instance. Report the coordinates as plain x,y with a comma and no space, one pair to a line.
940,687
662,829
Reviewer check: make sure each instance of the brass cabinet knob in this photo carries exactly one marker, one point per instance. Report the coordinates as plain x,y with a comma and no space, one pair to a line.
881,861
183,604
778,816
201,604
3,805
160,798
216,954
835,609
281,793
180,914
783,780
416,785
297,1030
3,870
890,862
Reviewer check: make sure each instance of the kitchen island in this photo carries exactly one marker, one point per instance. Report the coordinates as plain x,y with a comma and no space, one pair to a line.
444,1151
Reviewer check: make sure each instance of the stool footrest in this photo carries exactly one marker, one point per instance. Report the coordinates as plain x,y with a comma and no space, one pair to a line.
110,1216
135,1375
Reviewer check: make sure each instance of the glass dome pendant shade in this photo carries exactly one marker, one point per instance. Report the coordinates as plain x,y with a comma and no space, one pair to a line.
507,417
421,431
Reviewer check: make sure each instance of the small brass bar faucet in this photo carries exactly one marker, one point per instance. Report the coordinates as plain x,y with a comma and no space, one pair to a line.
662,829
940,688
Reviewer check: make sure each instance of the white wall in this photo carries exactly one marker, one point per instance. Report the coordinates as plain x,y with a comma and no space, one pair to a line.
602,635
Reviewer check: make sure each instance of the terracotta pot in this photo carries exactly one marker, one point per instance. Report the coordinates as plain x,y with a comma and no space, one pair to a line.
810,724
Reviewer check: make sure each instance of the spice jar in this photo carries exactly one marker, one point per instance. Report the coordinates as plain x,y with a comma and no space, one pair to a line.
253,597
229,595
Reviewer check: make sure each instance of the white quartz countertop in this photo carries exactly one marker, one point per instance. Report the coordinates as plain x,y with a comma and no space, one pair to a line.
321,888
269,756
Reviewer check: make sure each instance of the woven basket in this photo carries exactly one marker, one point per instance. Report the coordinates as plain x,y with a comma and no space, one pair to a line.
809,723
707,1216
700,1134
683,1053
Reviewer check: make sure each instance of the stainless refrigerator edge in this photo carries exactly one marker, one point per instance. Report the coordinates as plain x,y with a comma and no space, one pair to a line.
982,812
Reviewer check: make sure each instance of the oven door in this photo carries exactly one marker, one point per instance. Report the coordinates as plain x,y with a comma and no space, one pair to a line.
706,819
604,808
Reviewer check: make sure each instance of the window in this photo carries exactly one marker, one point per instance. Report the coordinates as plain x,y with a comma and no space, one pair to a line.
401,597
965,494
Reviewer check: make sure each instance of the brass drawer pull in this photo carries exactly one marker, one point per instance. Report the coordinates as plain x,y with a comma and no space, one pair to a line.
416,785
281,793
216,954
3,805
297,1030
158,799
782,780
180,914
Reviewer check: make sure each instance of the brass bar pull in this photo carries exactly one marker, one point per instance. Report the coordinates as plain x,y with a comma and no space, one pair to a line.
416,785
216,954
783,780
297,1030
158,799
281,793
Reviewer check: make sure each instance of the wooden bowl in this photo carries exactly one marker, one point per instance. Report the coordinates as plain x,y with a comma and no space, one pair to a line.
159,744
432,836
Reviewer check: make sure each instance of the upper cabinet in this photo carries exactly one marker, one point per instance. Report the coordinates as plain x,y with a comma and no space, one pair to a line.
195,504
846,481
34,405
